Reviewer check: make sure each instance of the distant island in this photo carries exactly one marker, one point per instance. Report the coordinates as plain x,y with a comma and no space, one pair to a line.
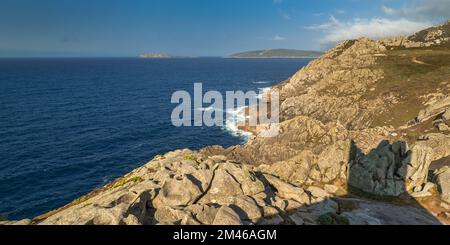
156,56
277,53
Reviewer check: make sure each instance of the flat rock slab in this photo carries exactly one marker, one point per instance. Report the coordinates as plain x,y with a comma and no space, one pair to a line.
381,213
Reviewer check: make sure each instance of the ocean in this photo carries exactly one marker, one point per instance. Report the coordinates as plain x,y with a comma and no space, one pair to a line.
68,126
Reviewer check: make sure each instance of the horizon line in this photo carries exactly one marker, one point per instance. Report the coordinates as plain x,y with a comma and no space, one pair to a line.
137,57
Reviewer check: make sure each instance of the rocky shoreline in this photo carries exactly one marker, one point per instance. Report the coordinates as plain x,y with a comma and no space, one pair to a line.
190,188
364,136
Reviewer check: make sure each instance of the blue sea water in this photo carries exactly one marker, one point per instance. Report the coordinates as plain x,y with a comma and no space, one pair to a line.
68,126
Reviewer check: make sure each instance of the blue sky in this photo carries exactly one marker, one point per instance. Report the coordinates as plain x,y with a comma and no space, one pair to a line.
56,28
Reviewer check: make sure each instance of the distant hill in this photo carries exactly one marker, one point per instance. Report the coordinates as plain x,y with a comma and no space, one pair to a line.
277,53
156,56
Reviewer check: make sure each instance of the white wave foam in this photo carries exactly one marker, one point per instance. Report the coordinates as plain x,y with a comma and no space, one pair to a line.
262,92
261,82
210,108
235,117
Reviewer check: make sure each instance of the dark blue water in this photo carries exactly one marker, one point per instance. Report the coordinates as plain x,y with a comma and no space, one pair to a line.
68,126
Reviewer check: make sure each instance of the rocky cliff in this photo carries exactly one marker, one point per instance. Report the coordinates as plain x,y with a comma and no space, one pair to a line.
364,139
277,53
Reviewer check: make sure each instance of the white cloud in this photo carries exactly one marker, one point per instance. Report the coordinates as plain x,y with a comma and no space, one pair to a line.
415,15
284,15
318,14
336,31
325,26
339,11
278,38
387,10
421,9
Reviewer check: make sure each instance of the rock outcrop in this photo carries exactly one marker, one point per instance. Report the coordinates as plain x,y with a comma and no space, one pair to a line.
391,170
165,191
186,187
363,134
442,179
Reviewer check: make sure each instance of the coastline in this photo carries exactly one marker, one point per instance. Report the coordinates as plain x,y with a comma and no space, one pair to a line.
281,57
133,152
246,133
332,152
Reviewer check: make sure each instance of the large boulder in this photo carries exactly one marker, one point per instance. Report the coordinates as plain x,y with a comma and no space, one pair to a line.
417,164
377,172
227,216
295,170
204,213
318,192
170,216
286,190
177,192
246,208
446,115
230,180
223,187
332,159
440,143
390,170
246,176
437,107
442,179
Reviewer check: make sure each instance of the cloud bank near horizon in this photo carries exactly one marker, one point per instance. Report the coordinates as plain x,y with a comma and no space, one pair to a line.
421,9
336,31
402,21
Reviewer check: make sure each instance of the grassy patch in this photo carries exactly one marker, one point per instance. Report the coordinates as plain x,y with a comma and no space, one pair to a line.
407,80
333,219
158,157
80,200
190,157
124,181
2,218
86,205
136,179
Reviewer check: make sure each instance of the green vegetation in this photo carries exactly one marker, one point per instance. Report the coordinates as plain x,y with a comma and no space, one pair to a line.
136,179
409,73
124,181
86,204
190,157
333,219
2,218
80,200
157,157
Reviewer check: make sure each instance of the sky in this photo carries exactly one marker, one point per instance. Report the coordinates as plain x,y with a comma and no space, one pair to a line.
127,28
